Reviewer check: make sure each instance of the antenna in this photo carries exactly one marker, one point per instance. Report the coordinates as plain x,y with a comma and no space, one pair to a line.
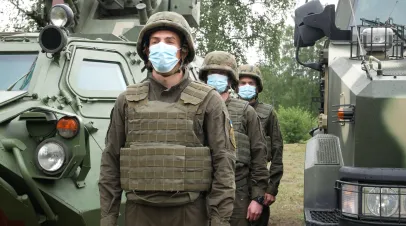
392,11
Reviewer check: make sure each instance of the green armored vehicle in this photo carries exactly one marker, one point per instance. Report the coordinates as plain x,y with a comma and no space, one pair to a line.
57,89
355,162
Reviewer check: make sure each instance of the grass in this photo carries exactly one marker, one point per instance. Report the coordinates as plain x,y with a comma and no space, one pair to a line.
288,208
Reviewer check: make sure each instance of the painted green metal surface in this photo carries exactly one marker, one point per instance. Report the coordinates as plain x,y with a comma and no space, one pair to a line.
368,147
65,84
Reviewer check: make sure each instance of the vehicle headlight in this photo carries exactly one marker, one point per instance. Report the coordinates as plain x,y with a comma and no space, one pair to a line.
373,39
349,199
61,15
51,156
382,201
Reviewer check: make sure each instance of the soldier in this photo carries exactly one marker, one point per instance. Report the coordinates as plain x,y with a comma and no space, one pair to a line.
250,85
168,146
219,70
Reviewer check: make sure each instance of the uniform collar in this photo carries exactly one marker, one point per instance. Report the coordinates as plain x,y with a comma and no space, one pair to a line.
180,86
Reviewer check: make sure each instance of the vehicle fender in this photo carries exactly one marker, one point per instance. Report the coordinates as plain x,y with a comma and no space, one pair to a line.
322,163
15,209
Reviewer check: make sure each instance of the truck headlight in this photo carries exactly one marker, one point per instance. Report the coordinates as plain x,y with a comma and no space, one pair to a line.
382,201
349,199
51,155
377,39
61,15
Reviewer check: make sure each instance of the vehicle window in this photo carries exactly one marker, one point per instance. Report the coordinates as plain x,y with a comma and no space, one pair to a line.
13,67
381,10
104,76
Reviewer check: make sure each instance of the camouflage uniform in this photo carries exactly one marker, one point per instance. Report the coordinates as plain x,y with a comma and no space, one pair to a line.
251,149
169,150
273,135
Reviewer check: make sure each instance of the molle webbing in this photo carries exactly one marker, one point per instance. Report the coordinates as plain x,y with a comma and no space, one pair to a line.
236,109
243,148
137,91
165,168
195,93
264,111
159,122
162,151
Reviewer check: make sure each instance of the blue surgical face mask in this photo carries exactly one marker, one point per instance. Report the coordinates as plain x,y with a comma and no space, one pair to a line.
247,92
219,82
163,57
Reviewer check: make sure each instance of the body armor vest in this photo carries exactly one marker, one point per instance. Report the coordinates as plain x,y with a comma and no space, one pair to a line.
264,111
236,109
162,151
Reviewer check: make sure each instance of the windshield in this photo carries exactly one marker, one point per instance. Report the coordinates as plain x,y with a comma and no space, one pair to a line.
100,76
380,9
13,67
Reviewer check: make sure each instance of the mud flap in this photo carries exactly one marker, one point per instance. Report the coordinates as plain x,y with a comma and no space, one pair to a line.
323,162
15,210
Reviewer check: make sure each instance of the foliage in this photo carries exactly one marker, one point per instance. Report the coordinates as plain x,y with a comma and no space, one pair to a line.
234,26
286,82
19,15
295,123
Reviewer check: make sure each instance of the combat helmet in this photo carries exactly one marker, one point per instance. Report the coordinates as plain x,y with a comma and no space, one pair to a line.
220,60
166,21
252,72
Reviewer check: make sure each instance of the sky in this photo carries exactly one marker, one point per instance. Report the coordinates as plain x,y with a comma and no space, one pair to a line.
252,54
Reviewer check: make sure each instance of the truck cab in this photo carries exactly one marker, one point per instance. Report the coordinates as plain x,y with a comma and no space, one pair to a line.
355,162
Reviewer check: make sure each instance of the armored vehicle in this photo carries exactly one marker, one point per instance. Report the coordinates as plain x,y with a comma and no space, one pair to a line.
57,89
355,161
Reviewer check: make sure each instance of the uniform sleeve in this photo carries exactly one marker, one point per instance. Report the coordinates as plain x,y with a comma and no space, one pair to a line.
259,174
217,129
109,181
276,169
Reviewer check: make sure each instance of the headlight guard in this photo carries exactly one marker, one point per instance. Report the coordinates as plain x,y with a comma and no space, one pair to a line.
385,203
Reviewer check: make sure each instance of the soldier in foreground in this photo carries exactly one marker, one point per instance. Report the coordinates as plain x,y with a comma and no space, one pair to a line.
182,124
250,85
219,70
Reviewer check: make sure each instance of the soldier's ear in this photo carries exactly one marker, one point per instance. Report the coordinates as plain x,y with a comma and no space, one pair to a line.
184,51
146,51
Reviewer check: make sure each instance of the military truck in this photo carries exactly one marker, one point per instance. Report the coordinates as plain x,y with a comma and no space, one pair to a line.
355,162
57,89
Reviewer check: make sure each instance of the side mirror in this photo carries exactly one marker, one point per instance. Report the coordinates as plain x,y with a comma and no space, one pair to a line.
306,35
312,23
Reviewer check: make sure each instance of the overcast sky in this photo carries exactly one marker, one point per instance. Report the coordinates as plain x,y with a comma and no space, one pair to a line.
252,57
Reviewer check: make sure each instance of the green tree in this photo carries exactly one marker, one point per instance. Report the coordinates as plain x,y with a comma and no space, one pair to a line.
286,82
233,26
295,124
21,15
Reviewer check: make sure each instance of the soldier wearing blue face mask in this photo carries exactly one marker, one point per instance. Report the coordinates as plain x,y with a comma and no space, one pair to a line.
168,146
219,70
250,85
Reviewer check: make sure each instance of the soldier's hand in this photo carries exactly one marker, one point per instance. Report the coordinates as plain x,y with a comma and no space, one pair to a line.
254,211
269,199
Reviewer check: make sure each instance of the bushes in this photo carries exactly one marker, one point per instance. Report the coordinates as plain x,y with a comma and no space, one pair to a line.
295,124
